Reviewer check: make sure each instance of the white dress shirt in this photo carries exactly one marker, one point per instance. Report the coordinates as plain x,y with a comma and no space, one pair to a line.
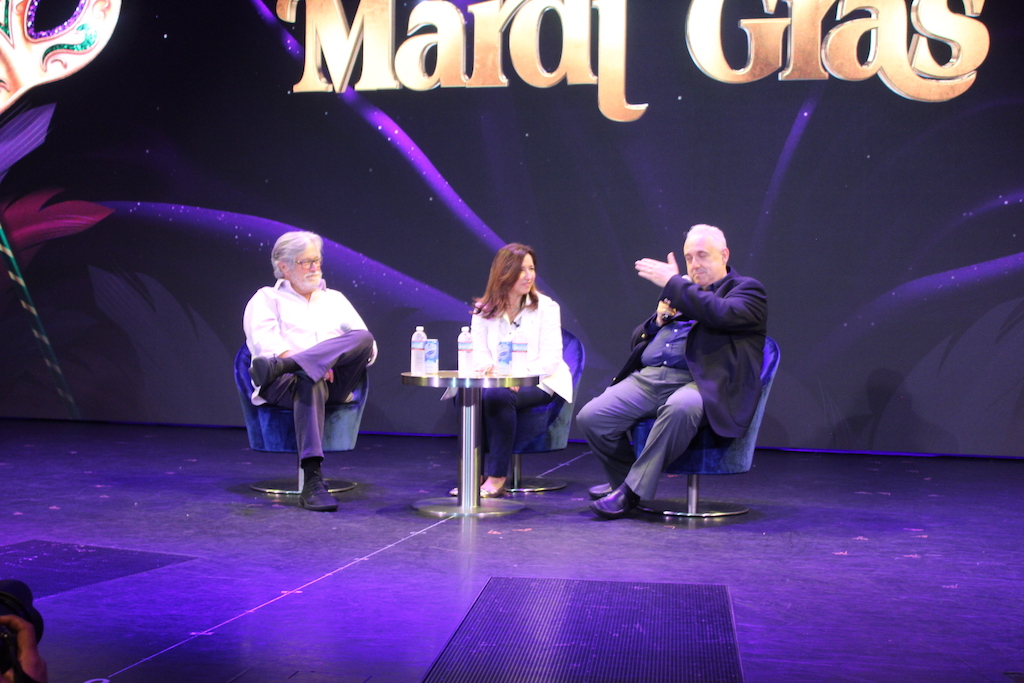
542,327
279,319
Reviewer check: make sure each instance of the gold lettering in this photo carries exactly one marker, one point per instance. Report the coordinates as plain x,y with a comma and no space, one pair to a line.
911,72
611,60
331,45
804,62
449,41
704,41
967,38
840,49
524,46
576,53
489,21
491,18
888,54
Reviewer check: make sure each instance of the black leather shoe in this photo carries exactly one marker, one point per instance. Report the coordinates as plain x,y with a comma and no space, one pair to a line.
616,504
265,370
316,497
600,491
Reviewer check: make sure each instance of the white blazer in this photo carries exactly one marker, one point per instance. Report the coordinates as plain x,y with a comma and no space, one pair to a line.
542,327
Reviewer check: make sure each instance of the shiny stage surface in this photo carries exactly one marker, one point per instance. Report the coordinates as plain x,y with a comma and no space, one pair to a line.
156,562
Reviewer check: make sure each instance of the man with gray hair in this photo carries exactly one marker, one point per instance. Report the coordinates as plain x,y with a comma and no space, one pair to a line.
696,361
309,348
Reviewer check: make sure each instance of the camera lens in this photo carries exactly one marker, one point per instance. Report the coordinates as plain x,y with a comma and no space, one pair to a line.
8,649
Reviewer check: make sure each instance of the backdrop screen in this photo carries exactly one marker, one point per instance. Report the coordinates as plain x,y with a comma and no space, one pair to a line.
865,160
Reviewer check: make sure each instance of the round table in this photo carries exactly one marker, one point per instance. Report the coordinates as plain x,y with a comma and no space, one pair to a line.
469,392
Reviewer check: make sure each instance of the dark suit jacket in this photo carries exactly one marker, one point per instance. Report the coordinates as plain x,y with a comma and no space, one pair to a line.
724,348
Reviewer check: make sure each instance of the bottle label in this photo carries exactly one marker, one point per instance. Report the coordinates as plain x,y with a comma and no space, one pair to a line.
430,353
418,344
504,355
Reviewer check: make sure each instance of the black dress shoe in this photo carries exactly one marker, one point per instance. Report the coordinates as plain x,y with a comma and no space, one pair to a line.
265,370
600,491
616,504
316,497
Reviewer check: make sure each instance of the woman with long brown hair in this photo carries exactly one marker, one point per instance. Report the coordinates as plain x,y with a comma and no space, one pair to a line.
512,303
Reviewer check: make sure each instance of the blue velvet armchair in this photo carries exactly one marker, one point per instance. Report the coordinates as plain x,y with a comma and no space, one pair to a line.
709,453
271,428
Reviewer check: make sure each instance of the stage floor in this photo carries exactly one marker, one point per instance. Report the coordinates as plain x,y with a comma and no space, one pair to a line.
158,563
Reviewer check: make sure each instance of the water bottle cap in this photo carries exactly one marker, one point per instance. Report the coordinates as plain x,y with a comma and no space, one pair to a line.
465,329
419,328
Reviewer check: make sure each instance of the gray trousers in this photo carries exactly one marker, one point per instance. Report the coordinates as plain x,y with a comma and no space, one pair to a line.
307,392
670,396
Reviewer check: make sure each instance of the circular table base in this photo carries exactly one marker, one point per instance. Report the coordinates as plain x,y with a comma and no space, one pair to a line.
288,487
679,508
447,507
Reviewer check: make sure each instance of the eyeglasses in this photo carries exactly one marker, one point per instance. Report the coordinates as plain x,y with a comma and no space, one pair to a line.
308,263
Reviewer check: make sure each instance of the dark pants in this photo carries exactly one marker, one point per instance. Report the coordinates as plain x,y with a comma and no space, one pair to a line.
499,423
666,394
307,392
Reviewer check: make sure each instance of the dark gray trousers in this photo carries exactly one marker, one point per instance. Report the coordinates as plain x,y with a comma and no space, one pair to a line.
307,392
668,395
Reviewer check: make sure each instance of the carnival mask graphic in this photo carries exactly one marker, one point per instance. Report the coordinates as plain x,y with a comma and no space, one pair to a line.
31,57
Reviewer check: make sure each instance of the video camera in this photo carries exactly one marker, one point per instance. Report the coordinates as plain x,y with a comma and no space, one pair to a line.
16,599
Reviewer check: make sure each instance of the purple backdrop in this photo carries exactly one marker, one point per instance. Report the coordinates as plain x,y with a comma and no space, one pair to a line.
887,231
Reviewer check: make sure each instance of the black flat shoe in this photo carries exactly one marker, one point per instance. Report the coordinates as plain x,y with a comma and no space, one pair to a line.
616,504
600,491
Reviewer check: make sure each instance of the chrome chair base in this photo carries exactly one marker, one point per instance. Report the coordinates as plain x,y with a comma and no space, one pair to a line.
681,508
517,483
289,487
693,506
534,485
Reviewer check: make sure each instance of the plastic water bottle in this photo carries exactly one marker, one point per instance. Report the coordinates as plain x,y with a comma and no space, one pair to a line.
520,352
465,352
419,340
431,357
505,356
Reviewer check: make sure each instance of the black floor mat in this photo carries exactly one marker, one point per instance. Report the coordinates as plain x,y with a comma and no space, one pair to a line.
556,630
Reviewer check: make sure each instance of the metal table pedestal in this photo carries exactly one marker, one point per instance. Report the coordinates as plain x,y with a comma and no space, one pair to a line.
470,390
